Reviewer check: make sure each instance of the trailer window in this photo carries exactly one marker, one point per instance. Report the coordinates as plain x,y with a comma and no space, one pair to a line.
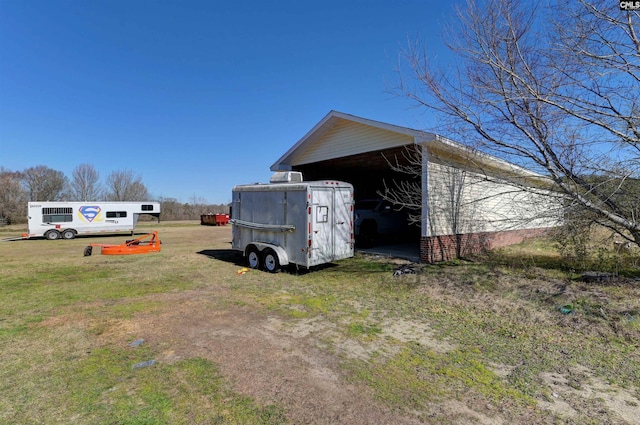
147,208
322,214
57,218
57,215
116,214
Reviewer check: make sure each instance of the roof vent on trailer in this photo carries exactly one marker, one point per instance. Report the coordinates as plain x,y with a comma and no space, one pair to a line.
286,177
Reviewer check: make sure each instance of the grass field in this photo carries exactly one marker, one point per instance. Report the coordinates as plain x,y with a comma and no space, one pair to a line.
513,338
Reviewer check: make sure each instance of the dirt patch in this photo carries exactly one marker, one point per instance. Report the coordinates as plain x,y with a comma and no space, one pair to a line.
289,361
569,398
266,362
414,331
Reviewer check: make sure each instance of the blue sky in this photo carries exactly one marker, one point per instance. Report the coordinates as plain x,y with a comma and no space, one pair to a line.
196,96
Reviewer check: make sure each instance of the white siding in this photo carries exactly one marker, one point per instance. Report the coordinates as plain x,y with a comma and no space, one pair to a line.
466,202
485,205
349,138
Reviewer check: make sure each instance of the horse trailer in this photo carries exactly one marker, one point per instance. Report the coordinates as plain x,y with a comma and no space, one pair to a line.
55,220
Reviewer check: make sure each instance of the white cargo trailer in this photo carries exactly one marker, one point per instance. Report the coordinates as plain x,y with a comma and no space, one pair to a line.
293,222
55,220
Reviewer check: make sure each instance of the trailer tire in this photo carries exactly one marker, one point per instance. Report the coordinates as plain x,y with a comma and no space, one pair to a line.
52,235
68,234
271,261
253,257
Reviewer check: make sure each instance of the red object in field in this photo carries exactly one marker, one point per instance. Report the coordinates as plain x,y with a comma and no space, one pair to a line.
142,245
214,219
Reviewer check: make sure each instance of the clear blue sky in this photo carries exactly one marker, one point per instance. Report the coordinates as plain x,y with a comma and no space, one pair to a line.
196,96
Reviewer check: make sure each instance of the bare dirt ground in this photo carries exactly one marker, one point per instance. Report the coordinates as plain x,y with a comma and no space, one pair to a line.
284,361
264,359
278,361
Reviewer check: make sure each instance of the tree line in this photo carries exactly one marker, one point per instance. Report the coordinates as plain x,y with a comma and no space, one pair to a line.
41,183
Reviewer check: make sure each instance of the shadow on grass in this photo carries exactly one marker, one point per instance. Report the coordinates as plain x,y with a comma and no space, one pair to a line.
226,255
234,257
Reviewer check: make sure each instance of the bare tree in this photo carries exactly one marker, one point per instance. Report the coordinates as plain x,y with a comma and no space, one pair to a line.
12,197
44,184
198,207
85,183
171,208
124,185
465,197
449,212
406,192
554,88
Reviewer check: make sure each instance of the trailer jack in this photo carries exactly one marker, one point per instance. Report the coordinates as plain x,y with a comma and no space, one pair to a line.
142,245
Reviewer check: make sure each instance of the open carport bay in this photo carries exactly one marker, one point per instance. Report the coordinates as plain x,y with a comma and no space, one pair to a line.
370,173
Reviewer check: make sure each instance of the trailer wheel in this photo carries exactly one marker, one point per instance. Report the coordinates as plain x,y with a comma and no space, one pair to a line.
271,262
52,235
253,257
68,234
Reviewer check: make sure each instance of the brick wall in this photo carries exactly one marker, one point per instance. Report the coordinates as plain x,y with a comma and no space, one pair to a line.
447,247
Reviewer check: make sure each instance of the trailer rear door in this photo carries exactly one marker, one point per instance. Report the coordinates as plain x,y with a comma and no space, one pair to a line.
331,225
343,223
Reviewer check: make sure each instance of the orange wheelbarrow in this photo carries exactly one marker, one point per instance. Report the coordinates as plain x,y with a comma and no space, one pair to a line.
142,245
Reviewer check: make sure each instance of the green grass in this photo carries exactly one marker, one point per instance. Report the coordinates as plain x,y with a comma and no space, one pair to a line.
57,367
77,384
498,319
42,290
356,330
161,394
417,376
494,313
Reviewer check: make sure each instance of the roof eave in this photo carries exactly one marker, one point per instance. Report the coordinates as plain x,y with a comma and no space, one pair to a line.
283,163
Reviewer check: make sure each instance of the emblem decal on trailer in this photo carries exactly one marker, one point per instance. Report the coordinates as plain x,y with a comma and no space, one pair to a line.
89,213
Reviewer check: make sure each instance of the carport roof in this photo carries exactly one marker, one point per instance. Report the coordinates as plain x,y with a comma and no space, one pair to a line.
370,135
401,136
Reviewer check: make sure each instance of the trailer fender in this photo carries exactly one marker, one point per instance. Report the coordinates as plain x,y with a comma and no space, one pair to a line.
282,254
